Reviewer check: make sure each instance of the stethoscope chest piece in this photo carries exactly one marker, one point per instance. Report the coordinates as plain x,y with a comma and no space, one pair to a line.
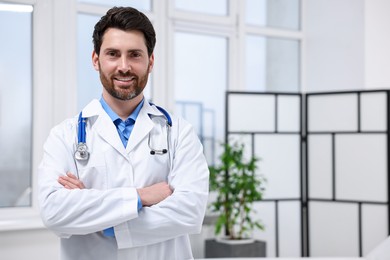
81,153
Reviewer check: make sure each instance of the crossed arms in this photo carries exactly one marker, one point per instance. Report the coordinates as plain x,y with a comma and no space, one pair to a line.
150,195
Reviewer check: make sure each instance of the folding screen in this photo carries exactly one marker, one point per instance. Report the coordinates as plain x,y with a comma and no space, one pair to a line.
328,188
347,172
270,127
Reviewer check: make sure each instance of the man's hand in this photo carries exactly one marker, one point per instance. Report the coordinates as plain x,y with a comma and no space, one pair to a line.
154,194
70,181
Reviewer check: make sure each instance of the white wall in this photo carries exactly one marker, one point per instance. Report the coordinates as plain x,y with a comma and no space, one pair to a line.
347,45
377,44
334,34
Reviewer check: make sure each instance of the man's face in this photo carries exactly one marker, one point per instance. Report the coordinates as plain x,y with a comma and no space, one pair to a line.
123,63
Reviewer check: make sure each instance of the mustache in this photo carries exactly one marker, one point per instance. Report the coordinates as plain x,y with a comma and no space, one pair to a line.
127,74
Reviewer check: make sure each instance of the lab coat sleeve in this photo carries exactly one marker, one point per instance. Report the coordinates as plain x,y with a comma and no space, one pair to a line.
183,212
78,211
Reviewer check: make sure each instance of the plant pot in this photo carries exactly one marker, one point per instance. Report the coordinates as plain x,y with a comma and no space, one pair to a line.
234,248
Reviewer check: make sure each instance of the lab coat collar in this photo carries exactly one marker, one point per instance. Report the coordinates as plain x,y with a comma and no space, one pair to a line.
101,122
94,108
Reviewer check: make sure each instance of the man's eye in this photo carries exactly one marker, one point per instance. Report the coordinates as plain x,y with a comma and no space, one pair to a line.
112,53
135,54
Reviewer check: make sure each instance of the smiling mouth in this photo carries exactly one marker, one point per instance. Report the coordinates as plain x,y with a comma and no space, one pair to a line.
125,82
124,79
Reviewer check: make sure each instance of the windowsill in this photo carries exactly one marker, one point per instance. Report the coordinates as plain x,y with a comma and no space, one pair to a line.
20,219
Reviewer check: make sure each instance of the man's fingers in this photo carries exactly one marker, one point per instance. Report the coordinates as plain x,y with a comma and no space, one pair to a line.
64,181
154,194
71,182
71,175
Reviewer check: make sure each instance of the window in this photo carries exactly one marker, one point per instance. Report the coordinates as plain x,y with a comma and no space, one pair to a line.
283,14
16,105
88,83
272,64
200,83
272,40
260,46
215,7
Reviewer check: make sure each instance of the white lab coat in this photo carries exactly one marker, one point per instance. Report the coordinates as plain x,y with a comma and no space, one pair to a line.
111,176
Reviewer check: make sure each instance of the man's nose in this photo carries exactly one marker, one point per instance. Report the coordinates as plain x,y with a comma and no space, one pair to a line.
124,65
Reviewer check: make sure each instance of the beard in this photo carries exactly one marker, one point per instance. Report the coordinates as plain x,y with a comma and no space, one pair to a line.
129,92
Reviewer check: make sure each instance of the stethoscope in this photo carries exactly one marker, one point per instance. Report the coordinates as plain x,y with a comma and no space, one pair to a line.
82,153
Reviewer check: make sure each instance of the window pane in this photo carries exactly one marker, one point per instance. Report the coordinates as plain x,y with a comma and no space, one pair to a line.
88,82
200,78
144,5
215,7
272,64
15,105
274,13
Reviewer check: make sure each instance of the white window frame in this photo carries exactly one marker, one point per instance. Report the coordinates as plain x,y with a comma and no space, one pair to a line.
28,217
245,29
205,24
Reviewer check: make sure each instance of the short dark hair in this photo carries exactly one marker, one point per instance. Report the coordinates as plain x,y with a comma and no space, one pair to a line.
124,18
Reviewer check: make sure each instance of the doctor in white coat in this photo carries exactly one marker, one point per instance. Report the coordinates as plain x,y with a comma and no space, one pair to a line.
143,187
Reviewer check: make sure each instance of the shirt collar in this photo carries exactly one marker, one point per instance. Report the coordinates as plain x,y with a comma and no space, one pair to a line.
114,115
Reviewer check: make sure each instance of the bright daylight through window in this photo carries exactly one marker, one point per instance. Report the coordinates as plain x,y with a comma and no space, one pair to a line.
15,105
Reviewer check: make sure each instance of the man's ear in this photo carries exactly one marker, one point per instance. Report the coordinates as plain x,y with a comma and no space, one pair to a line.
151,63
95,60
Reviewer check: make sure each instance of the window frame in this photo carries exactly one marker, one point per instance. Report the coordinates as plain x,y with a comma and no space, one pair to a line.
260,31
14,218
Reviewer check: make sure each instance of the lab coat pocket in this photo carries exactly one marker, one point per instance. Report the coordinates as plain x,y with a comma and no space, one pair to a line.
158,166
93,173
149,169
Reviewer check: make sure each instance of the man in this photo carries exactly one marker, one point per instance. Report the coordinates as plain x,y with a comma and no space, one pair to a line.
142,187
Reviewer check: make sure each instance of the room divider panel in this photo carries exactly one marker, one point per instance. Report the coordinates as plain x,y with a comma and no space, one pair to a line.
325,156
270,125
347,172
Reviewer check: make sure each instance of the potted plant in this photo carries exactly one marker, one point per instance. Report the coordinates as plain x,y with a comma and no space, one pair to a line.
237,186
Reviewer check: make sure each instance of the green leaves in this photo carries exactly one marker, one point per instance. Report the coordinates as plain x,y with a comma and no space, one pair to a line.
237,185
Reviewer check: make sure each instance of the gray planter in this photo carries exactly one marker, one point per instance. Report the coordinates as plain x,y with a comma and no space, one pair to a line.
217,249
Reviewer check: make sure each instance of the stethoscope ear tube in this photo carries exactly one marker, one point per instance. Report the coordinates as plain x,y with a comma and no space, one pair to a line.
153,151
168,125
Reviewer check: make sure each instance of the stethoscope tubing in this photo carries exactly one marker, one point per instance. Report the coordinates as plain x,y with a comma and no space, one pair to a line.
81,136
